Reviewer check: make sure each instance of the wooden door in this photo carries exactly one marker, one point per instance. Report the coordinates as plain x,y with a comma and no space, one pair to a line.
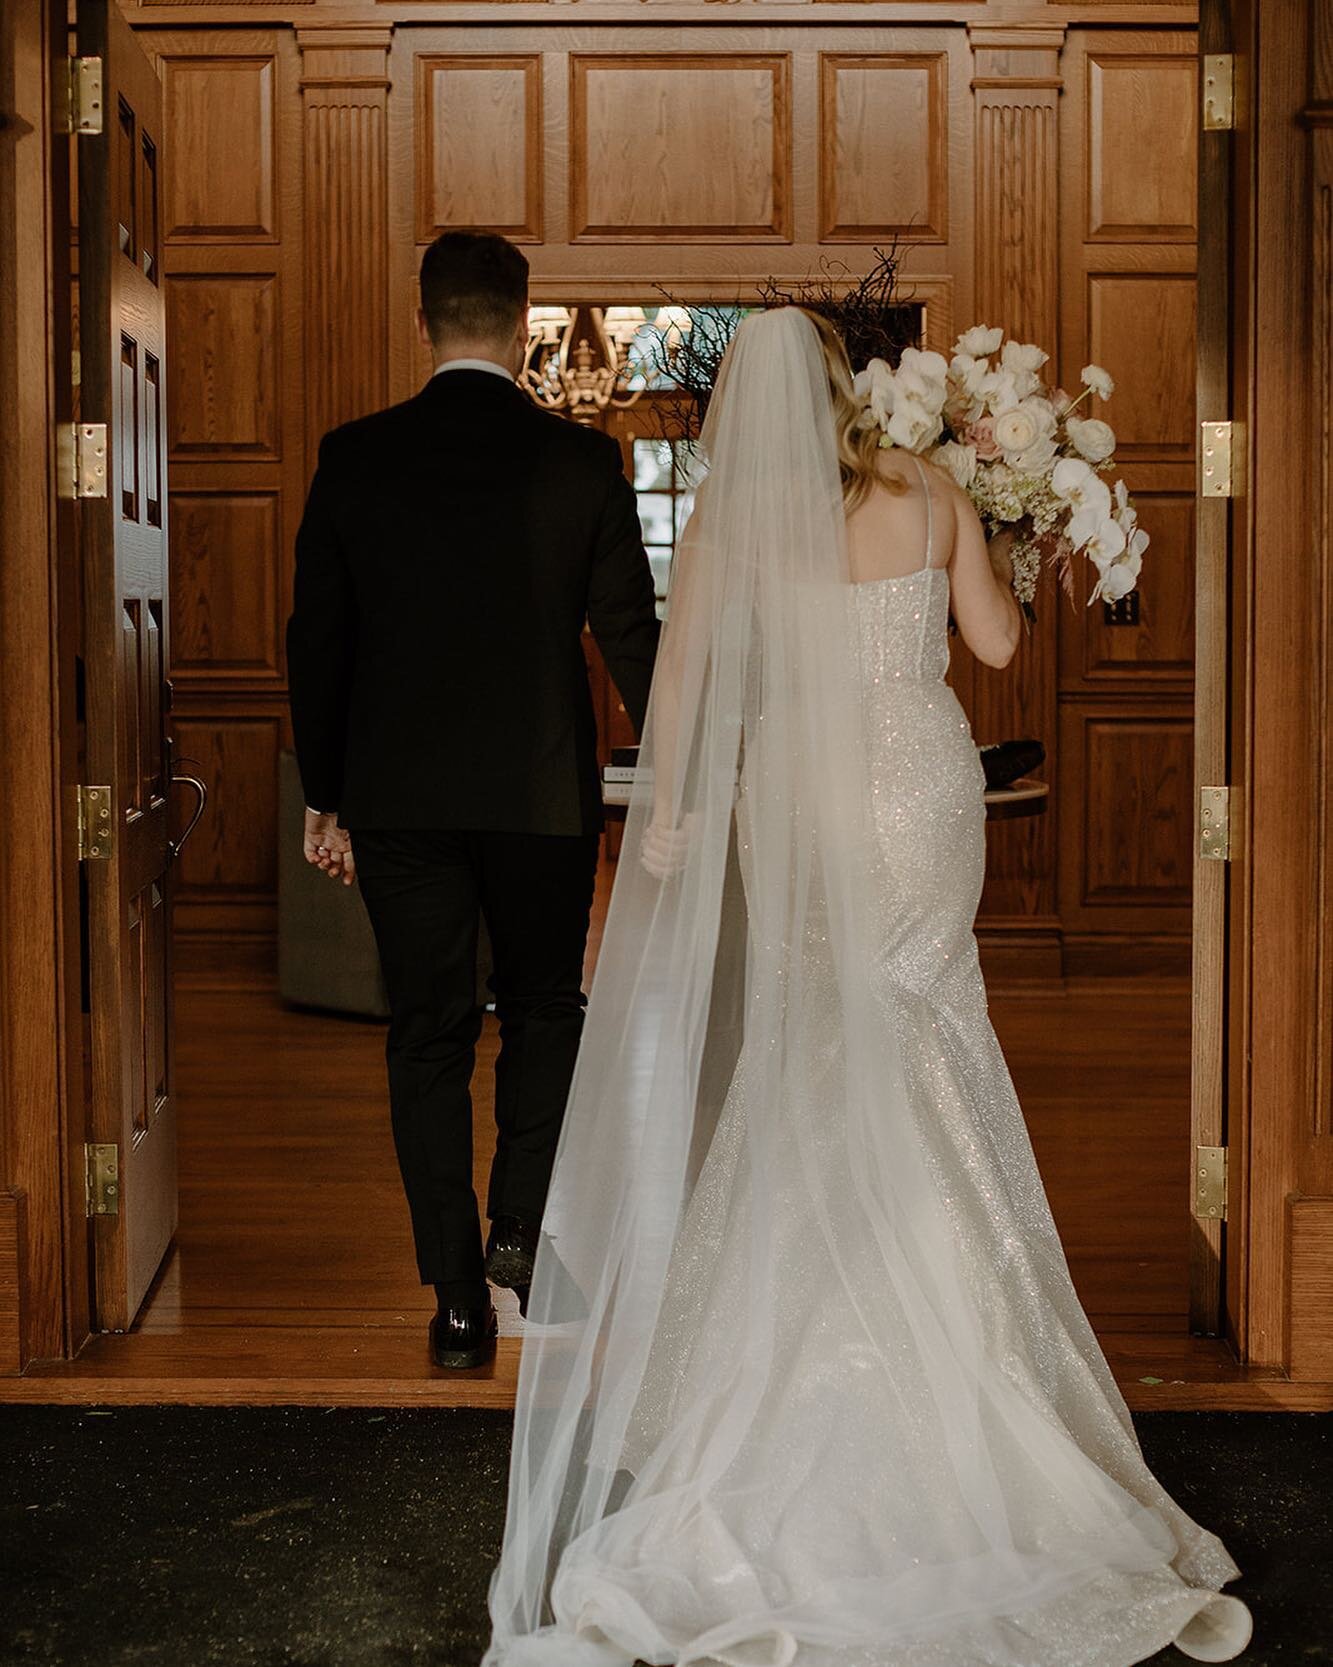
122,536
1222,538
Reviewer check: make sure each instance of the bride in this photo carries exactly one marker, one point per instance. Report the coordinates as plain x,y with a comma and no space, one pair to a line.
805,1380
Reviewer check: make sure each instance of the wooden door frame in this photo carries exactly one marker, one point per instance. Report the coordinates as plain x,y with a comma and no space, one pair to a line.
44,1294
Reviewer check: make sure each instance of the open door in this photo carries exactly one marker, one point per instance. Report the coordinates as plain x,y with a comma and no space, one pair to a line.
119,458
1221,540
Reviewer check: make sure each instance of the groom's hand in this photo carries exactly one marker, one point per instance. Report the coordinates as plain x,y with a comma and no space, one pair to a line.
329,847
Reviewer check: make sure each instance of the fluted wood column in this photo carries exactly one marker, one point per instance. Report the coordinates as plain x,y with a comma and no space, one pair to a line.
345,90
1016,82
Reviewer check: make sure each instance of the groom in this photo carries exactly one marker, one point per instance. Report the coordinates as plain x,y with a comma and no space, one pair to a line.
451,551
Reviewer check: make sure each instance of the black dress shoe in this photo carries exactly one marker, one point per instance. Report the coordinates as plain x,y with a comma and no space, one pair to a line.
463,1337
511,1250
1006,761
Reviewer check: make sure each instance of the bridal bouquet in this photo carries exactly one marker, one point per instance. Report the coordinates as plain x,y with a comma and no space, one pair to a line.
1030,463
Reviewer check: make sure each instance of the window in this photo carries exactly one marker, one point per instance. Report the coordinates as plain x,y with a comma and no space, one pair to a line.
665,474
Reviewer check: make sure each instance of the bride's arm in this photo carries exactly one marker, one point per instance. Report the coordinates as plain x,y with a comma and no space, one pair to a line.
983,603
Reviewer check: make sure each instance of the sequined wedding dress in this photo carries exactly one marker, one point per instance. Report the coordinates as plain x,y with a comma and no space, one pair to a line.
870,1425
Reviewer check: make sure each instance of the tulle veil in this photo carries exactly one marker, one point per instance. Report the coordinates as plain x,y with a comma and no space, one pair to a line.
752,953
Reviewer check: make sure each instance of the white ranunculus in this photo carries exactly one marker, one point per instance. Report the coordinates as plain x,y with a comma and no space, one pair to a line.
1092,438
913,426
1022,360
999,391
1037,459
1018,428
960,461
874,388
980,341
1120,577
1099,380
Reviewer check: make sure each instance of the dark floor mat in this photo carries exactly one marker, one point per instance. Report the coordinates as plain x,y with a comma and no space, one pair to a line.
254,1537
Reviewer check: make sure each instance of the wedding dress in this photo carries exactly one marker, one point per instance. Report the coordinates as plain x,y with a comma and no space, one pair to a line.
808,1384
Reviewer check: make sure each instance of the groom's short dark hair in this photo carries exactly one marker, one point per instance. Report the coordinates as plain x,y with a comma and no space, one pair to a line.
474,285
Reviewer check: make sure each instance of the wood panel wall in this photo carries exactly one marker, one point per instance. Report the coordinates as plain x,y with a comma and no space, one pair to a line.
1040,165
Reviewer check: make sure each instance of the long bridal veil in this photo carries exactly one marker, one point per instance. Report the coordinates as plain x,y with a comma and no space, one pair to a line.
751,958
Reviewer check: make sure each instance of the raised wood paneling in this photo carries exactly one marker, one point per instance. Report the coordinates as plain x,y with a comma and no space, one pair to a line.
480,154
687,147
224,584
1141,116
233,850
1141,328
221,165
12,1354
1159,646
1127,853
884,146
224,367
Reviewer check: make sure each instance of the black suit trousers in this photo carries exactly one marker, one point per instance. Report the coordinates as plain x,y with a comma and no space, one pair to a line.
425,892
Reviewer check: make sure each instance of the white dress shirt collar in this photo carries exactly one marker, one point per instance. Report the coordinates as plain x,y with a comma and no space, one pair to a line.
474,364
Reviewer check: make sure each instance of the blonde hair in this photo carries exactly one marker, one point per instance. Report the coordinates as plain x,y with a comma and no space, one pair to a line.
858,448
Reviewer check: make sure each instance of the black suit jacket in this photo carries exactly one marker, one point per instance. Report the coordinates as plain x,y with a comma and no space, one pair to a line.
451,550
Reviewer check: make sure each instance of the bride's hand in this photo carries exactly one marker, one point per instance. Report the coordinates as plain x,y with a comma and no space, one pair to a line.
665,848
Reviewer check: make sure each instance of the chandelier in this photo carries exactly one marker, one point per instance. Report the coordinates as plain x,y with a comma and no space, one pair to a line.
579,361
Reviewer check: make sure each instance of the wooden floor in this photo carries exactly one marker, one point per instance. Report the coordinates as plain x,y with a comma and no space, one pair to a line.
292,1277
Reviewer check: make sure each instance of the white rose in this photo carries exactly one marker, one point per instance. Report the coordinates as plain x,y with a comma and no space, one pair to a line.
1092,438
1119,578
960,461
979,341
913,426
1099,380
874,387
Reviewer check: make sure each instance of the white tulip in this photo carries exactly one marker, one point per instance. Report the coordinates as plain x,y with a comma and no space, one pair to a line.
913,426
1092,438
1099,380
960,461
979,341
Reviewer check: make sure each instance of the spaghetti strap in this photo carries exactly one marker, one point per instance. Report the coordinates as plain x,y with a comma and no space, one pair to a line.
930,513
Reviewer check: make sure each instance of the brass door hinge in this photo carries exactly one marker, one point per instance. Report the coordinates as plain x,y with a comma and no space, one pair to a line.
102,1179
1215,824
1219,92
95,824
1210,1183
1222,462
81,460
85,96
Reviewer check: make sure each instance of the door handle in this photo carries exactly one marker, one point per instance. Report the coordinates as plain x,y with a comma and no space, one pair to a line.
175,846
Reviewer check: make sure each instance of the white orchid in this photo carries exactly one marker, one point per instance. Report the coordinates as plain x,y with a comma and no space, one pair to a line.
1102,543
1092,438
999,391
1076,483
874,387
966,374
1099,380
1119,578
980,341
959,461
